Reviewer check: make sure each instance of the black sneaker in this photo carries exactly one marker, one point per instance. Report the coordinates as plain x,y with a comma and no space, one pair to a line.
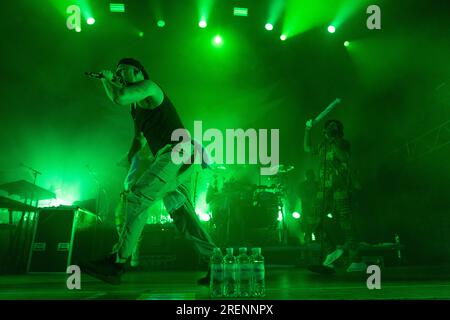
321,269
106,269
205,280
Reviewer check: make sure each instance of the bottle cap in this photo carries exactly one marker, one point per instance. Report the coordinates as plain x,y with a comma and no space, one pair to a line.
230,250
217,250
243,250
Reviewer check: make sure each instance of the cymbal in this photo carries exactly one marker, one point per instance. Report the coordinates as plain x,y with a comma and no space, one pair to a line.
218,168
281,168
265,187
285,169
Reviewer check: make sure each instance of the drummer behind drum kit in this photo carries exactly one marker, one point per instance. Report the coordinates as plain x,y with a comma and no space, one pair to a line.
245,212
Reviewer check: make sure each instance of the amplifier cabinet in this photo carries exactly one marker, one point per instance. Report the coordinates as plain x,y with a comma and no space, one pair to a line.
59,234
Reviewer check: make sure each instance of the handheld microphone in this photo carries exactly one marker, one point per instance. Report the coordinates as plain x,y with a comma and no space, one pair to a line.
94,75
99,75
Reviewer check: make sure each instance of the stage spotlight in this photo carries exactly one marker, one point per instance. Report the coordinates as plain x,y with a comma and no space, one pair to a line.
202,24
296,215
269,27
330,216
161,23
283,37
240,12
117,7
346,43
218,41
90,21
331,29
141,34
203,216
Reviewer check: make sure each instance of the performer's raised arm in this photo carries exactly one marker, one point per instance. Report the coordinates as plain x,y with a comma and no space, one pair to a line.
126,92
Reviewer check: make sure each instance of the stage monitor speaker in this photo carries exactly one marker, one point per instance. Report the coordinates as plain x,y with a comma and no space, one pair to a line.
60,234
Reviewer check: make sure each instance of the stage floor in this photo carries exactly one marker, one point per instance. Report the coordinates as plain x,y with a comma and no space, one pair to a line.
282,283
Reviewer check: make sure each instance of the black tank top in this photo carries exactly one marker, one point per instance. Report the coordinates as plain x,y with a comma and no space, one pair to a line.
157,124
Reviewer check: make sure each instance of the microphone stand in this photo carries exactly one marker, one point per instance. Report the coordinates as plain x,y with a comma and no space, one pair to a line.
34,172
195,189
322,211
320,268
100,189
26,225
99,219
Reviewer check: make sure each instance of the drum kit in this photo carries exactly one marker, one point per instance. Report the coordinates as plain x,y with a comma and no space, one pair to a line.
240,205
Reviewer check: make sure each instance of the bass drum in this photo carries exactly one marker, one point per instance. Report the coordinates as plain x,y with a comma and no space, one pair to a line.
265,209
229,218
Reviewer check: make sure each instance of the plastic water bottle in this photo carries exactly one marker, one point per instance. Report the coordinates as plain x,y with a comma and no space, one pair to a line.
244,273
258,278
229,277
216,282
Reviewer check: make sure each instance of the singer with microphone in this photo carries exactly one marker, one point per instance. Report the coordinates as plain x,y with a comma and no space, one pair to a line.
334,195
155,118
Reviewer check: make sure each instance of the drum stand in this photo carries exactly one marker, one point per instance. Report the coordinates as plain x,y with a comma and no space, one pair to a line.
322,211
282,230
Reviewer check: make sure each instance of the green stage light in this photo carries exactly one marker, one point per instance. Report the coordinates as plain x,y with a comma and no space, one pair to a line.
90,21
204,216
117,7
331,29
296,215
202,24
218,41
269,27
161,23
240,12
283,37
330,216
346,43
78,29
141,34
